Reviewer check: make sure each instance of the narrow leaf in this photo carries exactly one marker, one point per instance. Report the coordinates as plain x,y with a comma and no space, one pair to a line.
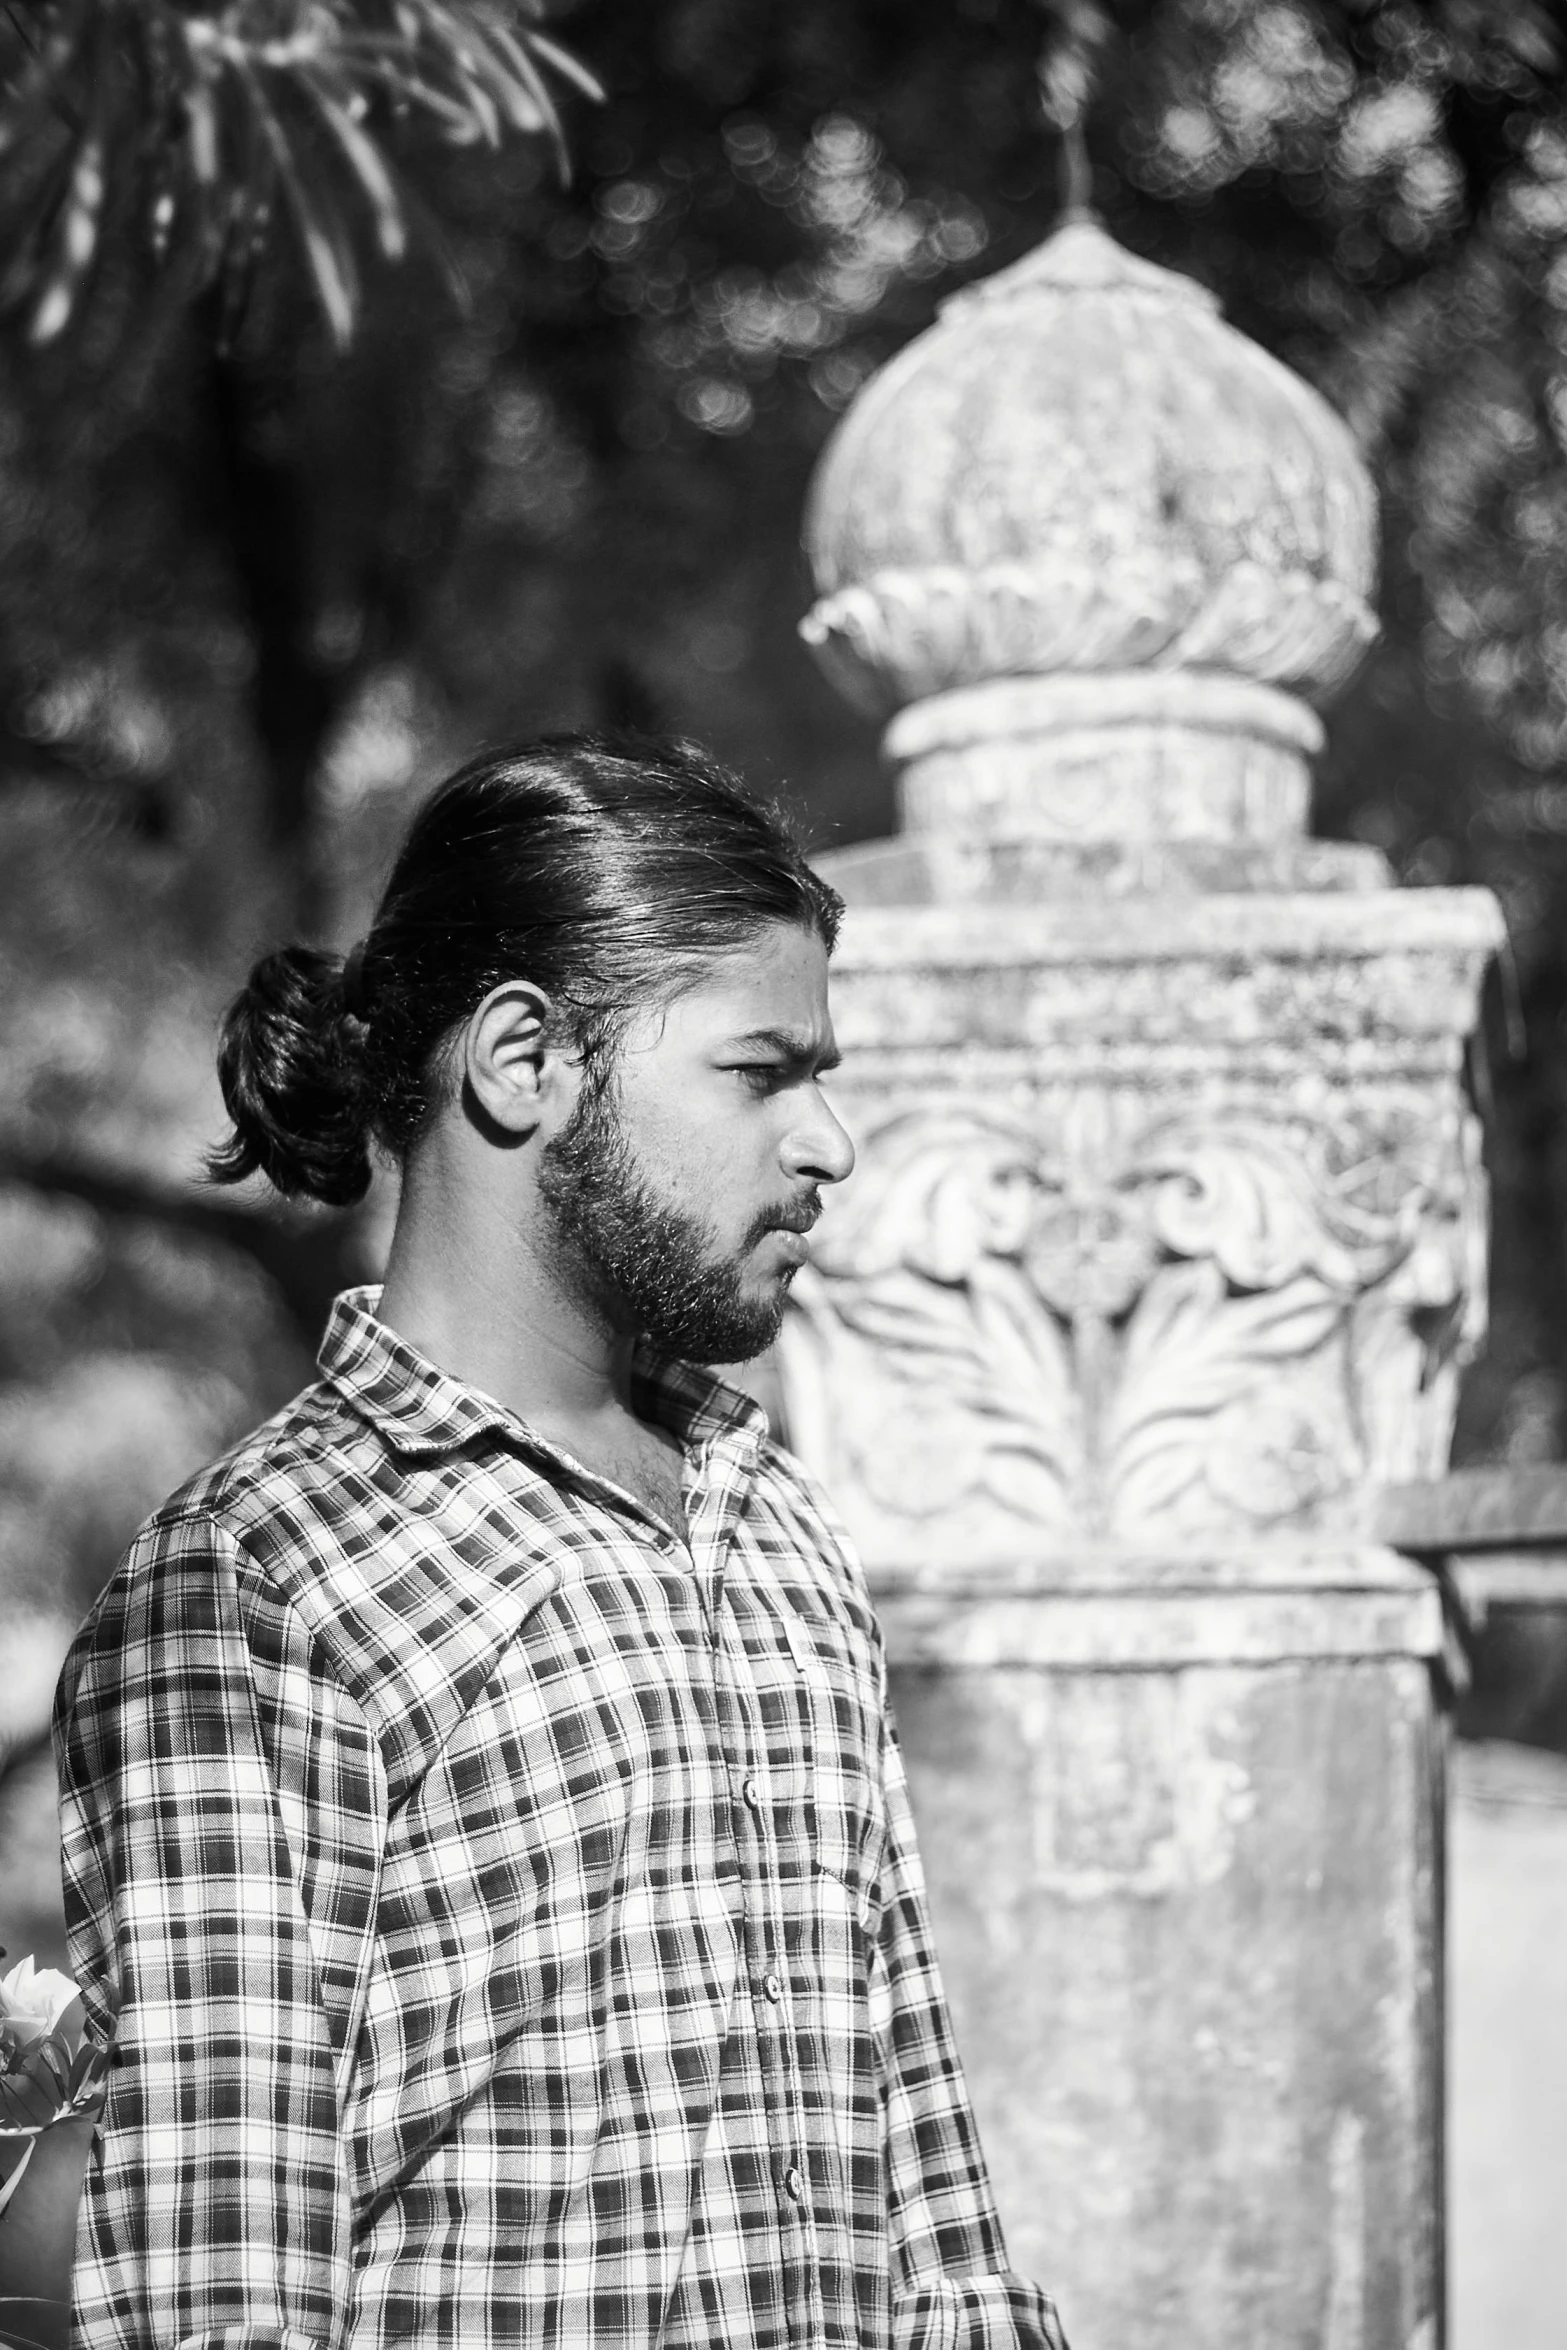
330,266
366,161
532,81
569,68
409,90
520,85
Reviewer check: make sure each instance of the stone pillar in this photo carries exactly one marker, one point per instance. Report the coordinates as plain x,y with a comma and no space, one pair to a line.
1164,1249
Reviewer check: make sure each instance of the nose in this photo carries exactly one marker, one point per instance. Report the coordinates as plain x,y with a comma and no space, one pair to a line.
819,1150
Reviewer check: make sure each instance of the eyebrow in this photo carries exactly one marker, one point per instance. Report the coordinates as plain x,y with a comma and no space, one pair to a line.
796,1051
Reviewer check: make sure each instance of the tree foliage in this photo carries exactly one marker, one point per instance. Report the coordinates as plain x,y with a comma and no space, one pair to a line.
189,130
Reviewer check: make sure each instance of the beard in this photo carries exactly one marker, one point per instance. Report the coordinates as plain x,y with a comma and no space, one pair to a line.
636,1260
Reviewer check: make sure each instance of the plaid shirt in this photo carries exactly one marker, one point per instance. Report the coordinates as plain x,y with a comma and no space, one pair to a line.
509,1923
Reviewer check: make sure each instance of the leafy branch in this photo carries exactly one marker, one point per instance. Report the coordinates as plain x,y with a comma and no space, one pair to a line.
199,127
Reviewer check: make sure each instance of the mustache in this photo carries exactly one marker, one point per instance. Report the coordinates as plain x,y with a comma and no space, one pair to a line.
800,1215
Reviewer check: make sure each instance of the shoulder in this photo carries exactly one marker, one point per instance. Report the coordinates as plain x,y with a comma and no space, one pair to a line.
194,1592
283,1471
197,1682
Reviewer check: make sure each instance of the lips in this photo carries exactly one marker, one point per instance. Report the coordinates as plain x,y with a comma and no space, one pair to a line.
803,1216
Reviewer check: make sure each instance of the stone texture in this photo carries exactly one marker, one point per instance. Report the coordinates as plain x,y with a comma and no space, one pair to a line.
1198,2011
975,871
1509,2040
1126,756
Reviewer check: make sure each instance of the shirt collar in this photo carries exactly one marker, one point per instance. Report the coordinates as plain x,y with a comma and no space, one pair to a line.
422,1410
415,1641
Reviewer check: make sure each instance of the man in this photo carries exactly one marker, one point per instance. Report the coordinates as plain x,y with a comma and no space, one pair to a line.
484,1836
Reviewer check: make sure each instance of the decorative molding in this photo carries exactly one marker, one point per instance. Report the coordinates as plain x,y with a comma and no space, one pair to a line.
917,873
1278,997
1089,1327
900,635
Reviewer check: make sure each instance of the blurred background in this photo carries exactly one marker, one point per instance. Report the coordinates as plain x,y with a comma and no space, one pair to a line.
342,431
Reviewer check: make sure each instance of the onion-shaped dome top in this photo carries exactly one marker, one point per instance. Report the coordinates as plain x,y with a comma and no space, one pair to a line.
1081,467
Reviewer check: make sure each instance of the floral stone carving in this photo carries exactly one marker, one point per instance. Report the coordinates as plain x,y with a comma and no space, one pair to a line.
1078,1326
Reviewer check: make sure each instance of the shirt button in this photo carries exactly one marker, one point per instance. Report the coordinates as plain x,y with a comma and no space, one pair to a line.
773,1988
751,1789
794,2183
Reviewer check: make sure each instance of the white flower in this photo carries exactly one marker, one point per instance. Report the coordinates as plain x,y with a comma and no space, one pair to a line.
33,1998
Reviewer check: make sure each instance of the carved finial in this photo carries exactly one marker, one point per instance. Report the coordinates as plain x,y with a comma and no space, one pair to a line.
1076,175
1108,549
1068,81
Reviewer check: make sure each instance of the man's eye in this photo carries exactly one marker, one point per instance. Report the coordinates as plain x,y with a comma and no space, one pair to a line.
760,1076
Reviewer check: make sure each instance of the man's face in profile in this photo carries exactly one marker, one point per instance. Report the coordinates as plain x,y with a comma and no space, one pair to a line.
689,1173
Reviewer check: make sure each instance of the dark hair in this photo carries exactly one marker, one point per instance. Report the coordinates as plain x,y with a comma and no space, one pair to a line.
604,871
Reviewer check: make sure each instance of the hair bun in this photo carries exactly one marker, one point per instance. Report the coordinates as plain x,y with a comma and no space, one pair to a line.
294,1082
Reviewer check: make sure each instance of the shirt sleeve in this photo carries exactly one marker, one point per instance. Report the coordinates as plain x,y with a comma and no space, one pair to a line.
221,1802
951,2287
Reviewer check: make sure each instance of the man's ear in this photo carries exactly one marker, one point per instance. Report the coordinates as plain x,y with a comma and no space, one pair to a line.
511,1063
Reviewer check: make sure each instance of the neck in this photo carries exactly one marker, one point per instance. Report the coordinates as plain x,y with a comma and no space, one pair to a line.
471,1283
